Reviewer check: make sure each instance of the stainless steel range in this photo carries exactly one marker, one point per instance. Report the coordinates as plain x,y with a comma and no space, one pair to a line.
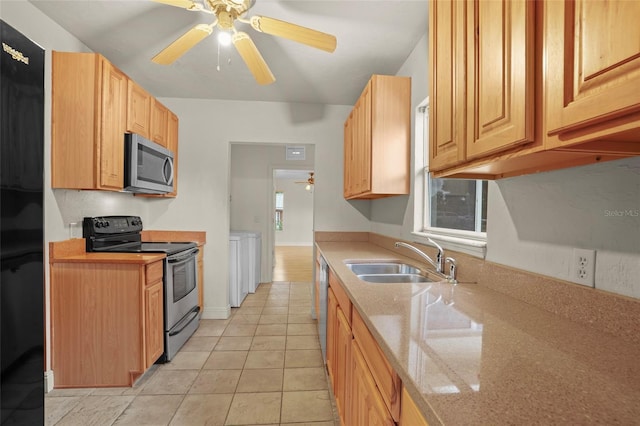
181,311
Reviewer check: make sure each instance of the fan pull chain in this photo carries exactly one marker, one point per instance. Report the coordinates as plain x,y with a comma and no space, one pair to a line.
218,67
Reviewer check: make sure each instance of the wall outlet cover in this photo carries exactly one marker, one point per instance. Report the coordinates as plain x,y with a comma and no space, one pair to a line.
583,267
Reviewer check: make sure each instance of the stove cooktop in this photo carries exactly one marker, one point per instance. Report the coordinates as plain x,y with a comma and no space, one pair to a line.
122,234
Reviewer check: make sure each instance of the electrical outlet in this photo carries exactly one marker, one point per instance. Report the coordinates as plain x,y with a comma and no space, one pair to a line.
583,267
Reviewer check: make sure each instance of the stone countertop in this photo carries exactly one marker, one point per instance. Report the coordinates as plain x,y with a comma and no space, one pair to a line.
470,355
139,258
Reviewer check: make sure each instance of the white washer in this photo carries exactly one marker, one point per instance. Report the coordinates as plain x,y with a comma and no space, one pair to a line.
238,268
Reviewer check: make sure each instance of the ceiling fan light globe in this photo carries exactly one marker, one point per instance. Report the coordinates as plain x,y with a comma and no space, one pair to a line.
224,38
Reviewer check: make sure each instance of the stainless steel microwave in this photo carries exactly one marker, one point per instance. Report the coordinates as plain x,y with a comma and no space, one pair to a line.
148,166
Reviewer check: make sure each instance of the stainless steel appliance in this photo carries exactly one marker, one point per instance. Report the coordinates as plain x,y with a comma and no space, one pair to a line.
21,228
148,166
322,323
181,311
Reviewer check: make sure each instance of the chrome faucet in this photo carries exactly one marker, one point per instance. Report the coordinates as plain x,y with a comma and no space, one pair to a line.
439,263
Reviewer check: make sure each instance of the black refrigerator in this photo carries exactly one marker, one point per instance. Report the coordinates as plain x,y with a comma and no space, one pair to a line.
21,229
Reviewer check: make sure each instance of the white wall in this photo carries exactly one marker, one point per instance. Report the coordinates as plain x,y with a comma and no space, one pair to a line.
298,214
534,222
251,189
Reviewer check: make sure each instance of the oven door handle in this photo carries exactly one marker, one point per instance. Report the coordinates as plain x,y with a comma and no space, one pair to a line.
185,321
183,257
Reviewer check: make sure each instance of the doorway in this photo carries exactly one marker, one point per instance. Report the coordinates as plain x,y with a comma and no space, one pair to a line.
293,225
252,186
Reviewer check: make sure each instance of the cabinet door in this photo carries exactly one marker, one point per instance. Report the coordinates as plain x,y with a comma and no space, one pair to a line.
348,157
342,378
593,69
362,143
500,75
138,110
410,414
112,127
367,406
331,335
153,316
447,47
159,123
172,145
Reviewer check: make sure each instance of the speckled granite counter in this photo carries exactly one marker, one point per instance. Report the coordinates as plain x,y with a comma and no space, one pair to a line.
470,355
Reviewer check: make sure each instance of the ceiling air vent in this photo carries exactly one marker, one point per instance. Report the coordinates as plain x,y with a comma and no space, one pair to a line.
295,152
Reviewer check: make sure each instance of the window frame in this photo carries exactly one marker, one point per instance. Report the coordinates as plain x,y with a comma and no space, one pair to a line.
469,242
279,211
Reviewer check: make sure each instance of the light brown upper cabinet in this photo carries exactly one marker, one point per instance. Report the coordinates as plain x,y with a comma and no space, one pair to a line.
159,123
138,110
500,66
93,105
593,74
447,43
539,86
482,75
88,120
146,116
378,139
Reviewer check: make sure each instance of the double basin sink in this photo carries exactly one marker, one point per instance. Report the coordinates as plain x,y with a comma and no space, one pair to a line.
388,272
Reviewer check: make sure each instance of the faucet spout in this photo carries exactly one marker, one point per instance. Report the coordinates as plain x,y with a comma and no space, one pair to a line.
439,263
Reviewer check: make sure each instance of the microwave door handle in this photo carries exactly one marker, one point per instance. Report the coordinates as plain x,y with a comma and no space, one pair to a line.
168,164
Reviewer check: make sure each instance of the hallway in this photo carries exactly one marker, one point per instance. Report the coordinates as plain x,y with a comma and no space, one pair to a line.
293,264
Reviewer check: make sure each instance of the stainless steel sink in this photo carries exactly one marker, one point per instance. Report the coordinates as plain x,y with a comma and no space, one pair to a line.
382,268
394,278
388,272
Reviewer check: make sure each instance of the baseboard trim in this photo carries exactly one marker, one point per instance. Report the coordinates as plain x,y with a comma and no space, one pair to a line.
216,313
48,381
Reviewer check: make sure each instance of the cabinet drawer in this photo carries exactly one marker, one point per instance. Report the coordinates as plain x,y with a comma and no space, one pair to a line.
385,377
341,296
410,414
154,272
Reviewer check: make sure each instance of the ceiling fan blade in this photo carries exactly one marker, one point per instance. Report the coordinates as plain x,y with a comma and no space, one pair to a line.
313,38
188,40
252,57
186,4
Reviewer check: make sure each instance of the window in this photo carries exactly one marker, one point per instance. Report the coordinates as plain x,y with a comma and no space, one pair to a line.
451,211
279,210
457,204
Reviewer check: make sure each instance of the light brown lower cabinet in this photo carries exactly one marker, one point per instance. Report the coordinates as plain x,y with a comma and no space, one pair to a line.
342,377
106,321
367,389
367,406
410,414
154,336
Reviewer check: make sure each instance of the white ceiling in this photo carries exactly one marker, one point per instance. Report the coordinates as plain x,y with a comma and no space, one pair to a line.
374,37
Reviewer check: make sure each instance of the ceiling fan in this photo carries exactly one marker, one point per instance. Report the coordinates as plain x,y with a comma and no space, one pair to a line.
226,13
309,182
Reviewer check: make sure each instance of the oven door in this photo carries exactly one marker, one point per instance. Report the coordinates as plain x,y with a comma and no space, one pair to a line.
181,286
182,313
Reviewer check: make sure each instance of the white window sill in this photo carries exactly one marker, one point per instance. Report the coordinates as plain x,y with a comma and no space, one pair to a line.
475,245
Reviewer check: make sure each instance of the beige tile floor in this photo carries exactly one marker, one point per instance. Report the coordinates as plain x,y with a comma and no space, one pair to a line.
262,366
